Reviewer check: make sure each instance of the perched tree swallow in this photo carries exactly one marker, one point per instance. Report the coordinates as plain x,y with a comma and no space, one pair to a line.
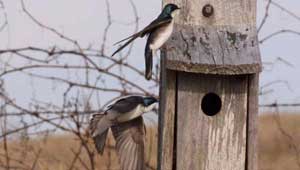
158,32
124,117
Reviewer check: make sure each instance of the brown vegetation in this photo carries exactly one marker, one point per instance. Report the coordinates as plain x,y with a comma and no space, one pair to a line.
276,149
279,140
59,153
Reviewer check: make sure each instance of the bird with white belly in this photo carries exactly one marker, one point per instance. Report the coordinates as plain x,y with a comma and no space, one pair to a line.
158,32
124,117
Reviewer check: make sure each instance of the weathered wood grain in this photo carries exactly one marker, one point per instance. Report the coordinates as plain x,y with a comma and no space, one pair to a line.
217,142
225,43
221,50
226,12
217,54
252,122
167,104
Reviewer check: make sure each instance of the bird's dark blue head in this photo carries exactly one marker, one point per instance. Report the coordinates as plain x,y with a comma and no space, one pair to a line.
169,8
149,100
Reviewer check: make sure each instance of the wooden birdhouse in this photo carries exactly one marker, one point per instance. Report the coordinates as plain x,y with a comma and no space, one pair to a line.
209,87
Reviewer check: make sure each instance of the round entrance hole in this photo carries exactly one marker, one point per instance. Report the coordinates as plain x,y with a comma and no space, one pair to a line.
211,104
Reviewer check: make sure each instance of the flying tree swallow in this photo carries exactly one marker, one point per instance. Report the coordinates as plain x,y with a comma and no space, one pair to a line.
124,117
158,32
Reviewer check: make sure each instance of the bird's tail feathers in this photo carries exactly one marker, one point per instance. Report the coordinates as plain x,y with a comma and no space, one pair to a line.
100,140
127,38
148,62
99,126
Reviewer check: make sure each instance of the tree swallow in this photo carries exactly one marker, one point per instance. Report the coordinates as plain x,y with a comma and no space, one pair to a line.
158,32
124,117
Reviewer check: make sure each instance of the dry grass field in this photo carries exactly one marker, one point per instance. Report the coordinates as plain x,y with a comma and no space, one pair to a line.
278,149
279,142
60,153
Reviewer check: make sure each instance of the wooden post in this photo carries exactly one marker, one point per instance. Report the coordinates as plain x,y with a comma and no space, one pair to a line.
209,87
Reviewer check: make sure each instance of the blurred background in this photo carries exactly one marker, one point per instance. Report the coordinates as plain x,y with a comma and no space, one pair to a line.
56,70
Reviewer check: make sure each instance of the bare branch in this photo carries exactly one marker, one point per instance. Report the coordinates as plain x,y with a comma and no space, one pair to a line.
286,10
284,31
265,16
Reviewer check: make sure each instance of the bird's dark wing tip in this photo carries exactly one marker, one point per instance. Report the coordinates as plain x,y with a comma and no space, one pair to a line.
148,77
113,54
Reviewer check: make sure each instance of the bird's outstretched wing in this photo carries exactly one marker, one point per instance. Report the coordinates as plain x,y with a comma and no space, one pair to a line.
153,25
129,138
99,139
127,104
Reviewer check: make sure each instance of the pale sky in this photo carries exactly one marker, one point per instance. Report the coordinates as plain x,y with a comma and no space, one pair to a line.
85,21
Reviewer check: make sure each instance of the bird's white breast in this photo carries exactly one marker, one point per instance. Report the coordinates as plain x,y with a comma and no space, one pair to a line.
162,36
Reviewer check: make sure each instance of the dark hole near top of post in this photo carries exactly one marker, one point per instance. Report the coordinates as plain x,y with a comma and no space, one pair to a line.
211,104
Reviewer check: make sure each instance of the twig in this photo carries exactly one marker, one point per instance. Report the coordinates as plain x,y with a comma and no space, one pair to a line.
283,31
265,16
